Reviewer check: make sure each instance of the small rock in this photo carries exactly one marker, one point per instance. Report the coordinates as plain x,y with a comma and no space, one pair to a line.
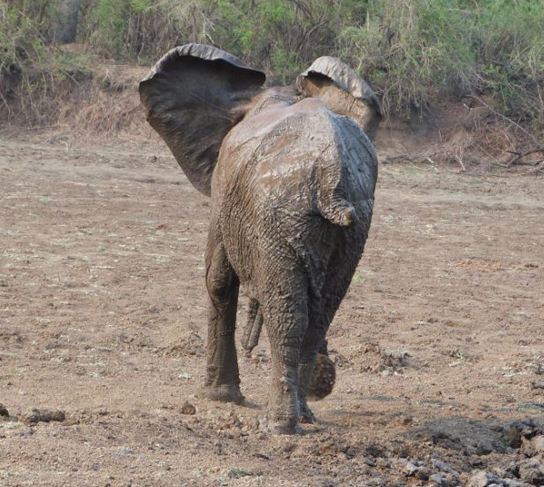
374,450
25,433
483,479
288,447
383,463
533,447
188,408
125,450
514,483
511,470
218,448
439,479
410,469
487,479
422,473
514,433
538,385
443,467
512,437
237,473
374,482
3,411
532,471
406,420
350,452
43,416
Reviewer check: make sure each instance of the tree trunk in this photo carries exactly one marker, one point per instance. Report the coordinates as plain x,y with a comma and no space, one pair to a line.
67,20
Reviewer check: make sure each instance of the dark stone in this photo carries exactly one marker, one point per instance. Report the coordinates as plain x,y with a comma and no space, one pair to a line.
3,411
43,416
188,408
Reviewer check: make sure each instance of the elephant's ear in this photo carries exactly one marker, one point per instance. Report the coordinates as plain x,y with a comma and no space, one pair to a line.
343,91
193,97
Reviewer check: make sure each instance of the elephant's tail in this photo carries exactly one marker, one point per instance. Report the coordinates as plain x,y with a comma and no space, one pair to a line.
345,174
330,179
338,211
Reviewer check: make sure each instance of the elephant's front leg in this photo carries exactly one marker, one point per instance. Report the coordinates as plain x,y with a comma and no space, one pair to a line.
223,379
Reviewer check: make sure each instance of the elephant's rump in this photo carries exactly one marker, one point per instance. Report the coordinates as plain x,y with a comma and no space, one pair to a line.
285,177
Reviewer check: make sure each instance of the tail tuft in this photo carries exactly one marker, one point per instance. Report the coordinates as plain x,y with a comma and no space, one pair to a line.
340,212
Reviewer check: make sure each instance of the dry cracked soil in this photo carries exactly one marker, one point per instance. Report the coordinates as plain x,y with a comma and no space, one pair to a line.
438,345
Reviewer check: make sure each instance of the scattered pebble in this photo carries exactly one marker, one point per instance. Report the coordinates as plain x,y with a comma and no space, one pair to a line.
3,411
514,433
25,433
125,450
439,479
188,408
43,416
483,479
410,469
237,473
534,446
532,471
407,420
488,479
443,467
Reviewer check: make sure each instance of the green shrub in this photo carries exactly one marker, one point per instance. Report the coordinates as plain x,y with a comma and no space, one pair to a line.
511,53
21,38
414,52
30,67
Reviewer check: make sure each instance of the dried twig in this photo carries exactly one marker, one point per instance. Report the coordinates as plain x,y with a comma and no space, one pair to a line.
539,167
504,117
460,161
520,155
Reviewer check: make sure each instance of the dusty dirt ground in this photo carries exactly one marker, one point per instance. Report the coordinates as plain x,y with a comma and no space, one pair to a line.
439,344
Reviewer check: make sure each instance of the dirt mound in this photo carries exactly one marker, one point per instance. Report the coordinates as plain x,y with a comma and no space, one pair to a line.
98,98
467,134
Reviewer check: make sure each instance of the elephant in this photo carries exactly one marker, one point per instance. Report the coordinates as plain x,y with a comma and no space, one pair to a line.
291,172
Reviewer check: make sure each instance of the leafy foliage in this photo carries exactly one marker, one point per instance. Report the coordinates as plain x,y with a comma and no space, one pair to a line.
415,52
30,66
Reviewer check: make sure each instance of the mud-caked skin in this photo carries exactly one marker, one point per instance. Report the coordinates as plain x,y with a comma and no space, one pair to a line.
291,174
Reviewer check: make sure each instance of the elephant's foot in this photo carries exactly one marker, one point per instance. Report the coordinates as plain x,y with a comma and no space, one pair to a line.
223,393
284,427
322,379
283,410
279,426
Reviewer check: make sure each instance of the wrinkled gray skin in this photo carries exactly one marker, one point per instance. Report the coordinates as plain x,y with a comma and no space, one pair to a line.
291,176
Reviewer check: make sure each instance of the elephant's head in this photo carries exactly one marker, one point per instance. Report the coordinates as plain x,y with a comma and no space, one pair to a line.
343,91
196,93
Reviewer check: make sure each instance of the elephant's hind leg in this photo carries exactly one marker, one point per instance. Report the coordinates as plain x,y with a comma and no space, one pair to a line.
286,319
223,379
313,341
343,262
